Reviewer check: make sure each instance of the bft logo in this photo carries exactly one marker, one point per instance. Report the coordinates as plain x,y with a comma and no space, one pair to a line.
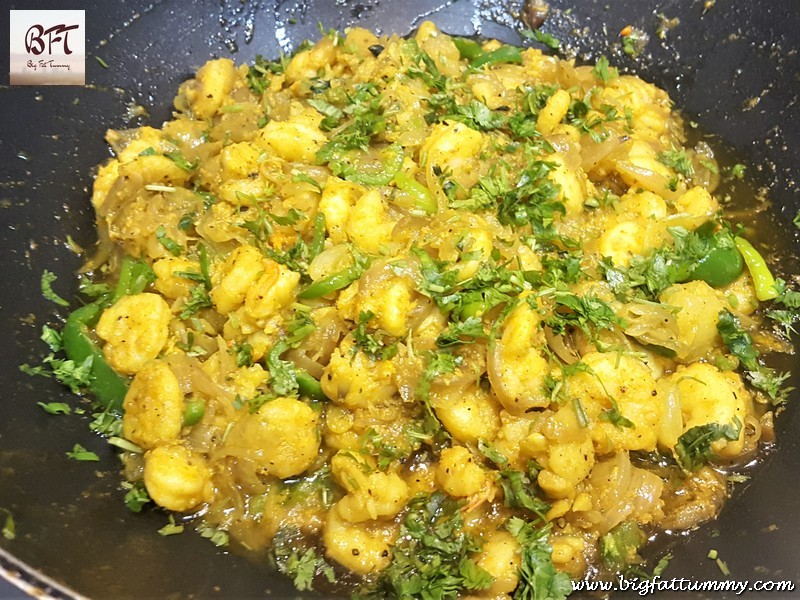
47,47
35,43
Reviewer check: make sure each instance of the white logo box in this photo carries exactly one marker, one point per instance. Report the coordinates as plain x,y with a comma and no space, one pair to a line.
48,47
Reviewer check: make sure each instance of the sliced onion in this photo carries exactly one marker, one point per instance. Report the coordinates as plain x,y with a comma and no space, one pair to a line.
193,380
611,479
330,328
468,374
408,226
650,180
625,492
494,363
592,153
562,345
671,426
767,422
650,323
372,279
751,430
331,260
302,360
645,490
568,149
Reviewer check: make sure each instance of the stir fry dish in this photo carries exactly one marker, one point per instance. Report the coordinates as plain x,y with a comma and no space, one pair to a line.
425,317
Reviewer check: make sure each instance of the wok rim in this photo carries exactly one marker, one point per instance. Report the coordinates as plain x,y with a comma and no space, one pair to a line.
33,582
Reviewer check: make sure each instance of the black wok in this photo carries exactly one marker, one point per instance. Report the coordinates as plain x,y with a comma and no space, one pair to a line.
735,69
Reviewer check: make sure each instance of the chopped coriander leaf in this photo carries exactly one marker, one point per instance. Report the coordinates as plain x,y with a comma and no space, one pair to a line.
519,491
603,71
291,218
299,327
303,567
253,404
56,408
218,537
9,529
431,557
796,220
539,579
75,376
94,290
619,547
171,528
492,285
373,345
588,313
305,178
48,278
425,69
208,198
678,159
373,444
790,301
366,120
260,226
37,371
258,74
169,244
737,171
740,344
616,418
738,341
672,184
462,332
283,376
662,564
477,115
558,387
492,453
106,423
51,337
703,254
540,36
710,165
244,354
439,363
531,200
180,161
197,300
693,449
586,119
136,496
78,452
333,114
634,41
